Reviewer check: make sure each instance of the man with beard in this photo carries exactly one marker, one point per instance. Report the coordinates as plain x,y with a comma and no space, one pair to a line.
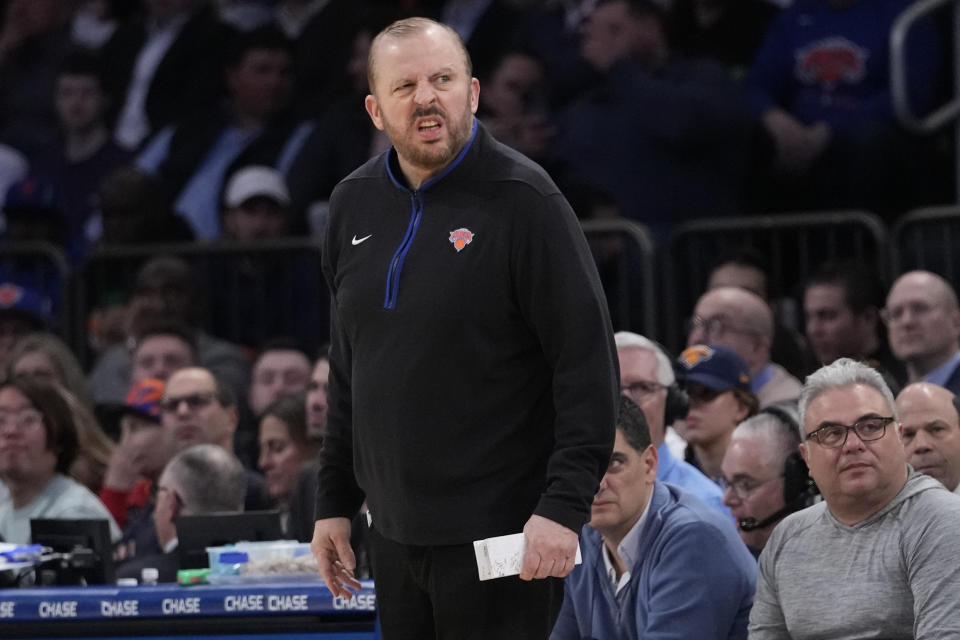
472,360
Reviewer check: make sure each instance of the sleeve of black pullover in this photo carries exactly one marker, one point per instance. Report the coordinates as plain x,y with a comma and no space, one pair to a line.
337,492
559,292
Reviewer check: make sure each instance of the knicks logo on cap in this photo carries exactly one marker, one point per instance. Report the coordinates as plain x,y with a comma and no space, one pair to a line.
694,355
461,238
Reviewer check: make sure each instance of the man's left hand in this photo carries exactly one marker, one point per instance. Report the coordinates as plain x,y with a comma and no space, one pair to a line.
551,549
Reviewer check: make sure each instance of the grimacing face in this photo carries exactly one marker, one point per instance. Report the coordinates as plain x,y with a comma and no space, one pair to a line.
423,99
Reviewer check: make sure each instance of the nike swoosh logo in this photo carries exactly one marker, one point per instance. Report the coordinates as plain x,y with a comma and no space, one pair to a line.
357,240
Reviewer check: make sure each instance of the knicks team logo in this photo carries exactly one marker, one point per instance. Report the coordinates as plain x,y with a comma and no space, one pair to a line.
694,355
830,62
461,238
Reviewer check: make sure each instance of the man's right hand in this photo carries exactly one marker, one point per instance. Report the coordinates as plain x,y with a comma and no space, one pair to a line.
335,559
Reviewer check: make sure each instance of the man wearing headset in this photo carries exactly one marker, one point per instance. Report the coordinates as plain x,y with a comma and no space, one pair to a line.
647,378
764,475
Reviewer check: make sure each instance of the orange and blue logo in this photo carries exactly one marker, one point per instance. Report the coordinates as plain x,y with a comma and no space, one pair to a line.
830,62
461,238
694,355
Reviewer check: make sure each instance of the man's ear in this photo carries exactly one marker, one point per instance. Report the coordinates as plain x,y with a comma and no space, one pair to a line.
373,109
650,461
474,95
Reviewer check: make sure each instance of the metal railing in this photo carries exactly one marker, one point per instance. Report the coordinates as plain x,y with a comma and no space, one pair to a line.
627,271
647,292
899,87
927,239
250,291
795,246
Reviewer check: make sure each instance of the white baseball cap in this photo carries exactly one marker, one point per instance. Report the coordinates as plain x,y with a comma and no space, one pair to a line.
254,181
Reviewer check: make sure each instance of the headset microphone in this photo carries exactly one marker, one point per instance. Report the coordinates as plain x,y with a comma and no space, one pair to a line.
798,503
750,524
798,488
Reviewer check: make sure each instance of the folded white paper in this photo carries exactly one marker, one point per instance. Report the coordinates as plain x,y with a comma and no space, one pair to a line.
503,556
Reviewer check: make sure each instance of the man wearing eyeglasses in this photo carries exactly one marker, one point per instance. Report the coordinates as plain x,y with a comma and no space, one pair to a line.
923,321
761,487
877,558
647,378
198,409
740,320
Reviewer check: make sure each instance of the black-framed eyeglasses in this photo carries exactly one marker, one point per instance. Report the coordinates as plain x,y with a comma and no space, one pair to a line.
641,389
832,435
194,401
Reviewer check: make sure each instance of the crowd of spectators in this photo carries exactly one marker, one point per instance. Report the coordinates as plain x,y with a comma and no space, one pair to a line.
191,120
155,107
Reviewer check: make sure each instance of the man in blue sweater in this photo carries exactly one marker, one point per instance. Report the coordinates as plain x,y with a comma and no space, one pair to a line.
657,562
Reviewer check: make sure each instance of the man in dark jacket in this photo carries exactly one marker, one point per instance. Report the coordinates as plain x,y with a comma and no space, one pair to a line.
474,395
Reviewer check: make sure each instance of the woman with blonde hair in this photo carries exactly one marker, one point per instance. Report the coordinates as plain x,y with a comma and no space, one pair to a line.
45,357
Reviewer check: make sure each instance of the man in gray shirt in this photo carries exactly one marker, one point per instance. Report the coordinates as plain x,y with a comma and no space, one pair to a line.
878,557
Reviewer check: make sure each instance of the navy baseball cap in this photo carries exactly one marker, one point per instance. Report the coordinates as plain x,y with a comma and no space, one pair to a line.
26,302
717,368
31,196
